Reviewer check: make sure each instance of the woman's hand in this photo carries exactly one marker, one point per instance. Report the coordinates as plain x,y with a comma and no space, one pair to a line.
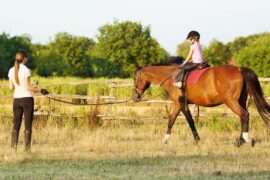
29,87
44,92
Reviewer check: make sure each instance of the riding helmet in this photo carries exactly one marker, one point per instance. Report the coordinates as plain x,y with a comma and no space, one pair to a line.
193,34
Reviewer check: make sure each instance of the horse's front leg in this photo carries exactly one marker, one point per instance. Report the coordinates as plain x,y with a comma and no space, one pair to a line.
172,117
191,124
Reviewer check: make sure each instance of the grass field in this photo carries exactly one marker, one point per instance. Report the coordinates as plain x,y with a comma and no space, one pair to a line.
70,148
133,150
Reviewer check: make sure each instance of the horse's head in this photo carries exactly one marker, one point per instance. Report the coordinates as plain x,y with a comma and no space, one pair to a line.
140,84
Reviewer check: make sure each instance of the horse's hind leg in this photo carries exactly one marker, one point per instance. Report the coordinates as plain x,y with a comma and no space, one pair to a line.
172,117
191,124
245,119
240,109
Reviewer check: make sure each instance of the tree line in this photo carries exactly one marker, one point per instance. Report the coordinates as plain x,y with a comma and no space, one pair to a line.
119,47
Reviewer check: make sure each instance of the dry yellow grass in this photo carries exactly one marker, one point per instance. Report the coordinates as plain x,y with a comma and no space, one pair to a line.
139,139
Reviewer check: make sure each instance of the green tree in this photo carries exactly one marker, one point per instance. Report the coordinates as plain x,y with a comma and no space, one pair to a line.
217,53
50,64
241,42
183,49
8,48
125,44
256,55
67,55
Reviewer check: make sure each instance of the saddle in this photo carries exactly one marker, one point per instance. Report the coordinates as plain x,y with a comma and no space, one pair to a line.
187,71
198,67
204,65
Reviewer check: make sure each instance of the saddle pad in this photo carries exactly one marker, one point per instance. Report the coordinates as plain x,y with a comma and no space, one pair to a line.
194,76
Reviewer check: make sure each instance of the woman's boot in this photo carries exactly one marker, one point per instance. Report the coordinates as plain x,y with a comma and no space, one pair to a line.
14,139
27,140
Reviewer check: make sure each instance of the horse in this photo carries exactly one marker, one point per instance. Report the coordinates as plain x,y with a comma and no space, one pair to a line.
225,84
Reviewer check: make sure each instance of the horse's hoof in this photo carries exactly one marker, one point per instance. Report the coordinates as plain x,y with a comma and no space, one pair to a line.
253,142
197,138
196,142
164,141
239,142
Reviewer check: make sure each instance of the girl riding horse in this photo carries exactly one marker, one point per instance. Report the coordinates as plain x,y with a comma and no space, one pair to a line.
224,84
195,52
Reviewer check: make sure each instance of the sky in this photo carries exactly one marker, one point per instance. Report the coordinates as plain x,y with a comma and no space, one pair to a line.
170,20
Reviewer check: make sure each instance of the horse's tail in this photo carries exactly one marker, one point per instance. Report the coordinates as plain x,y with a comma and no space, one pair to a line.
255,92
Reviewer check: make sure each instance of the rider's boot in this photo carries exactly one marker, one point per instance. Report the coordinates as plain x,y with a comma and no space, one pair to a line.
178,84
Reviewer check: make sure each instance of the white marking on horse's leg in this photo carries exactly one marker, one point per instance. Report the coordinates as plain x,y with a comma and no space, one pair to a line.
166,138
246,137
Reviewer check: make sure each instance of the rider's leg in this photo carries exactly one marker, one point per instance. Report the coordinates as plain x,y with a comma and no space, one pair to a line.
180,77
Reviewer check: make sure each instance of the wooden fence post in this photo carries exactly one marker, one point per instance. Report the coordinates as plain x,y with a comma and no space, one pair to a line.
112,86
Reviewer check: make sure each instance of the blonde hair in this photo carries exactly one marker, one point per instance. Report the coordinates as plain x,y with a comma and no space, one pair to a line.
17,63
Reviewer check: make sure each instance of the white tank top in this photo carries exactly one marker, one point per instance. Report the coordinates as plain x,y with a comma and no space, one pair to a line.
20,90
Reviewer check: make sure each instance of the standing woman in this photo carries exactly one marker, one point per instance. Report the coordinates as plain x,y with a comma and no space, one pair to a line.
23,103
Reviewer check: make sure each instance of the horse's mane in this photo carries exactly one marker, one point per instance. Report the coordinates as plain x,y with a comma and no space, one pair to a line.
172,61
161,64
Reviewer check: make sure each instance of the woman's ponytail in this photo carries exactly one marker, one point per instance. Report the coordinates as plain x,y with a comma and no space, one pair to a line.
18,61
16,72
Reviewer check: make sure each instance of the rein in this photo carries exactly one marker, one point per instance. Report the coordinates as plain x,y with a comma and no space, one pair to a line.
167,77
87,104
50,97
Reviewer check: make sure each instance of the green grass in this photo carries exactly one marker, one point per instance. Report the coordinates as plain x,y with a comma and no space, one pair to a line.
181,167
266,88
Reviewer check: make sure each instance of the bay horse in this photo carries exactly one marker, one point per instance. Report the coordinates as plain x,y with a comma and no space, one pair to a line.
225,84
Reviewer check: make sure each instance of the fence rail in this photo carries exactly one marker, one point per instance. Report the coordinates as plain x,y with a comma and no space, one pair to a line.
261,79
111,98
